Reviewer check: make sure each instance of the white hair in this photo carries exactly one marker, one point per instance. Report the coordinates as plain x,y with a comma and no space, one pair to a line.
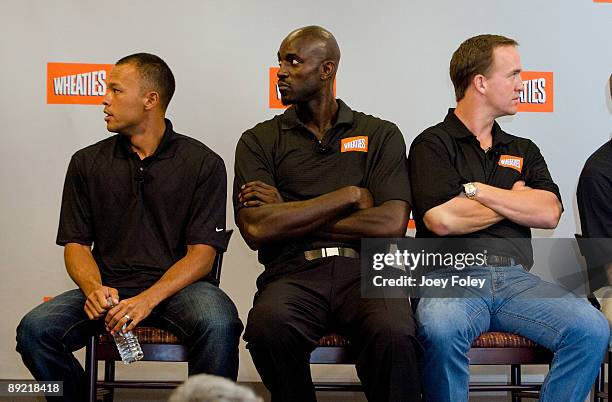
210,388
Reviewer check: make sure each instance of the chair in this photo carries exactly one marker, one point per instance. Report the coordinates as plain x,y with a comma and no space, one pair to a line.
491,348
157,345
592,256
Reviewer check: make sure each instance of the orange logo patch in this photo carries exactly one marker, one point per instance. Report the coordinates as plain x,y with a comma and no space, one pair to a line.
76,83
274,96
538,91
512,162
602,1
354,144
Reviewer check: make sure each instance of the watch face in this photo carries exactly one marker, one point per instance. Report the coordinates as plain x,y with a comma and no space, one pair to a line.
469,189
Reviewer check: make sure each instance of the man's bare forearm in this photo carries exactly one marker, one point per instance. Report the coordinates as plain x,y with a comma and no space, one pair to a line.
82,267
269,223
459,216
389,219
530,207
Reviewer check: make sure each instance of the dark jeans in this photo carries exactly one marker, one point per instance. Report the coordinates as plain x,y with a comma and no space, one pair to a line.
201,315
292,313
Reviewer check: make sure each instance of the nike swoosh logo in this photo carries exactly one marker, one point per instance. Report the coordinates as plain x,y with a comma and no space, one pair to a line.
218,230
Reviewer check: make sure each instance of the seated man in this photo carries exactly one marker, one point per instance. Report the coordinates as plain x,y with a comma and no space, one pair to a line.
309,184
593,195
152,203
471,179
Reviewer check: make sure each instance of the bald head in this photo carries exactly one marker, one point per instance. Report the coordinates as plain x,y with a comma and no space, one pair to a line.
308,61
321,39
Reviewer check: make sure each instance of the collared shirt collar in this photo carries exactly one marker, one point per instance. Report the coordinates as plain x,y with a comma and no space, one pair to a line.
290,119
461,131
123,148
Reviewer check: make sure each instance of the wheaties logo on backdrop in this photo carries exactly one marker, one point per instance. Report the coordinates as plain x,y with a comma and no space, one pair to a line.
76,83
537,95
274,94
602,1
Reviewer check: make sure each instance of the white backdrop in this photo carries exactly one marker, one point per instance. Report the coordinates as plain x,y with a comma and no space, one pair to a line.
394,65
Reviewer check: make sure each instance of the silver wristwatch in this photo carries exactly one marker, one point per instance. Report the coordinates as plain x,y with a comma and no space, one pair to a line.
470,190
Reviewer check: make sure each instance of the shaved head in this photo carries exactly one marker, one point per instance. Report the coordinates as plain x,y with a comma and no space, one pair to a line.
327,47
308,61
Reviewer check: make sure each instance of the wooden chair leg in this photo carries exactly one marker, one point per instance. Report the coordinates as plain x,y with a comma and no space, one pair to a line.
91,368
515,379
109,375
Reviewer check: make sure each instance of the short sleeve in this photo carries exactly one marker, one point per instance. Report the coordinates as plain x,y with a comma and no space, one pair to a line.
388,178
536,174
433,177
206,221
75,224
252,162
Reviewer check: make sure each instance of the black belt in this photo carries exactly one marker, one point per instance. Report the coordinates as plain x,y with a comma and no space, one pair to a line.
501,261
331,252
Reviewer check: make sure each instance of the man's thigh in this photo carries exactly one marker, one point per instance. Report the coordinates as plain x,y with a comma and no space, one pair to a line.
193,308
544,313
378,312
300,302
62,318
443,318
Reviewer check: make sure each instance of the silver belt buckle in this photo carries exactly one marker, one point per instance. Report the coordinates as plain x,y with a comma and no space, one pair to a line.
330,251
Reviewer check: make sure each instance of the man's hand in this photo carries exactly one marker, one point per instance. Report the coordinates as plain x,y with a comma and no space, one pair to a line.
365,199
132,310
256,193
97,304
520,186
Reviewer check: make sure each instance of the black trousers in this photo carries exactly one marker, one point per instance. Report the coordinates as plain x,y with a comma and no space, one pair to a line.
293,311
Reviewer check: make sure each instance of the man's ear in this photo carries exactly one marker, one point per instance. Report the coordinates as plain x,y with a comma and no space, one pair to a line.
328,70
480,83
151,100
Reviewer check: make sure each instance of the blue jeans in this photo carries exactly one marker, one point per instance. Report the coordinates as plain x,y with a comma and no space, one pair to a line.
201,315
512,300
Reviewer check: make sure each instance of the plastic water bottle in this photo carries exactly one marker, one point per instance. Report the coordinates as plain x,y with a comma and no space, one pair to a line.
127,344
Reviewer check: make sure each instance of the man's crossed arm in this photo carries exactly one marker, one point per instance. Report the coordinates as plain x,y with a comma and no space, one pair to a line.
521,204
344,214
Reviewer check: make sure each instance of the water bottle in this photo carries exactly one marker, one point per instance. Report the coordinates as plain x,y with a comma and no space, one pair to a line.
127,344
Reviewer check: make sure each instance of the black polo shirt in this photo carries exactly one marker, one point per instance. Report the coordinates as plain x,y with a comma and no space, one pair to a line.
140,215
358,150
447,155
594,198
595,194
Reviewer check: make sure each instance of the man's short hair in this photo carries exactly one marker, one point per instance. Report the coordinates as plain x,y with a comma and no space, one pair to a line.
474,56
155,74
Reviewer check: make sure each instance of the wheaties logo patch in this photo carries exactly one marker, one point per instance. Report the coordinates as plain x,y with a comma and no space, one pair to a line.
512,162
354,144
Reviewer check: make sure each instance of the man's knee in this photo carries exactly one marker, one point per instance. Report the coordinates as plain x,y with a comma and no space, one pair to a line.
268,323
32,330
384,330
441,332
214,315
591,331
